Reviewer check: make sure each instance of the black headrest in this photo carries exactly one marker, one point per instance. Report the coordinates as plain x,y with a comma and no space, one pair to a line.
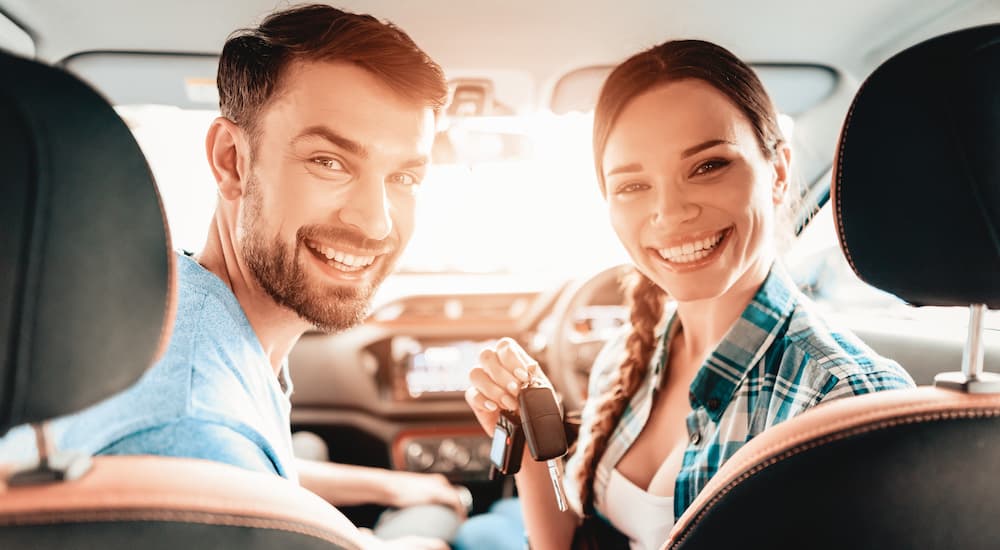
916,185
85,268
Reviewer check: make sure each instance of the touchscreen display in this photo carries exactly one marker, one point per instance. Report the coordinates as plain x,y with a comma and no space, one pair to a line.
442,367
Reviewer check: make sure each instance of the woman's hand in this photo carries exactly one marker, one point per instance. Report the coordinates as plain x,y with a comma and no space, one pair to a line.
502,371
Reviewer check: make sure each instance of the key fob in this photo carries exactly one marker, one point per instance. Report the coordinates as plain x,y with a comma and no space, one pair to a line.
542,423
507,447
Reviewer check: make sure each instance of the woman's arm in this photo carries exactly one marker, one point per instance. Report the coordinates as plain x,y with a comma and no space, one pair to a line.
496,382
548,528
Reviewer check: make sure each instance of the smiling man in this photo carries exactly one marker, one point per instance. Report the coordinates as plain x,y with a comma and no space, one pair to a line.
327,125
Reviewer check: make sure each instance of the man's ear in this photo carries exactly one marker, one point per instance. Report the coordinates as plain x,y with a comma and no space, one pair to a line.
228,156
782,173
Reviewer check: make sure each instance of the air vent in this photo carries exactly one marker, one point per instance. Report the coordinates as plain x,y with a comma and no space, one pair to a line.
454,308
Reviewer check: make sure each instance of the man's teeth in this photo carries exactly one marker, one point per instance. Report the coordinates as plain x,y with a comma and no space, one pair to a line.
691,251
341,257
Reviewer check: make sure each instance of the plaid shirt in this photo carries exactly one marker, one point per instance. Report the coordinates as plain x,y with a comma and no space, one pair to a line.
778,360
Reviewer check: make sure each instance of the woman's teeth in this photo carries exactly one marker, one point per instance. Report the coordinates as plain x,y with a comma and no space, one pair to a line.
341,260
692,251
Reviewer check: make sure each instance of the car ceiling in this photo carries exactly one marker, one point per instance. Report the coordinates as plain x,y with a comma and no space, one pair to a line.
551,38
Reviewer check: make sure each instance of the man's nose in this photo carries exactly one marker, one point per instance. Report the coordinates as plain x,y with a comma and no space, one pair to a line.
367,209
673,205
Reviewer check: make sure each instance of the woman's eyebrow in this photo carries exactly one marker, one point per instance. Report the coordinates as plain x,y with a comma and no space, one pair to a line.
704,145
634,167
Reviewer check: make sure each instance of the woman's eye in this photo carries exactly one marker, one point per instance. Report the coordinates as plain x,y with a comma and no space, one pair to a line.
403,178
710,166
633,187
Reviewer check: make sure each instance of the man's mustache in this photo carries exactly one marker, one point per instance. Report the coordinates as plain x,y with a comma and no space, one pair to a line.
349,237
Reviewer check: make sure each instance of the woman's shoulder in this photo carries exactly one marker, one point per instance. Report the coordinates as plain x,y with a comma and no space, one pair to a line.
815,342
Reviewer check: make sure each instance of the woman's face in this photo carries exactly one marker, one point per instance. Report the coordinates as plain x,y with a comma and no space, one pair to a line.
690,194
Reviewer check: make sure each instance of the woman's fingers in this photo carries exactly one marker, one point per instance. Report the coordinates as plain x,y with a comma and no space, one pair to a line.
496,394
502,378
498,378
478,401
516,360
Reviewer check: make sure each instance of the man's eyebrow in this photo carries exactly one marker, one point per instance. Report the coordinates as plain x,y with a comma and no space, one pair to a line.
417,162
704,145
344,143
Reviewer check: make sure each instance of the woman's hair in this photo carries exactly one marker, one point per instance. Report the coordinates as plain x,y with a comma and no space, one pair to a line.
669,62
645,301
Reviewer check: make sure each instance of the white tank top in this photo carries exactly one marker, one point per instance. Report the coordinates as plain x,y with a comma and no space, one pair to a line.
644,518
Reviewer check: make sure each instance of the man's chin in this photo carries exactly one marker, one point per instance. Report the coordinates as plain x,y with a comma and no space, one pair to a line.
336,308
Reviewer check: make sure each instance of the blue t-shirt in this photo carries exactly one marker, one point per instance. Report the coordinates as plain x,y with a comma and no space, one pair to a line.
213,394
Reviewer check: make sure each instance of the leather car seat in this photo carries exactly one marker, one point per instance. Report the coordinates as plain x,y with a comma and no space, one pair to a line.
86,305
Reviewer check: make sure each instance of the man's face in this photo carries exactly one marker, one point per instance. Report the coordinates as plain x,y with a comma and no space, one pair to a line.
329,200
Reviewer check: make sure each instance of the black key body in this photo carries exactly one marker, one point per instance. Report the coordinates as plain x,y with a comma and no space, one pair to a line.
542,423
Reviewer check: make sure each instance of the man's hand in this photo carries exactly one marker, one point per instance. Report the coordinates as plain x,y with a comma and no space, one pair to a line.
410,489
370,542
348,485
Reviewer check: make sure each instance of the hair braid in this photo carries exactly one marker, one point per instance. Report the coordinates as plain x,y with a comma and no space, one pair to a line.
646,307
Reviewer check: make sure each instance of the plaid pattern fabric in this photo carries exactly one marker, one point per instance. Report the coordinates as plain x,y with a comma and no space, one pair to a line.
778,360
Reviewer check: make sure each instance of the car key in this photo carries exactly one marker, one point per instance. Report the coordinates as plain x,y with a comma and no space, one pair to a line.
507,447
542,424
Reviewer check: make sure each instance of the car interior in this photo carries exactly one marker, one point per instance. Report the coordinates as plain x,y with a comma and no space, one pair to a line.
886,104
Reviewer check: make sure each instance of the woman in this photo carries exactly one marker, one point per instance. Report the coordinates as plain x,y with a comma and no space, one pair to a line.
695,171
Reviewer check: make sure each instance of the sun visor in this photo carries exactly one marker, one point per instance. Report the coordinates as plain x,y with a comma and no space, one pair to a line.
794,88
126,78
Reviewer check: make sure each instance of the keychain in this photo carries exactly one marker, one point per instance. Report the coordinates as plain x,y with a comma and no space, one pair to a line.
540,425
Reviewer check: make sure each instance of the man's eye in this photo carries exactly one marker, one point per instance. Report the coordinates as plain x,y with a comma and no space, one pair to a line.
710,166
329,163
403,179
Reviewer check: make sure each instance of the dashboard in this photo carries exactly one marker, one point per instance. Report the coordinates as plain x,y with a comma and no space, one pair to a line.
401,376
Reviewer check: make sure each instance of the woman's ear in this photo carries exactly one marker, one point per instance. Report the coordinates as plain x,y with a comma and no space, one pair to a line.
782,173
228,156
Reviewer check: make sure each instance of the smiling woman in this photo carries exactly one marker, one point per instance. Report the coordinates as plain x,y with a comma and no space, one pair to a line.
721,344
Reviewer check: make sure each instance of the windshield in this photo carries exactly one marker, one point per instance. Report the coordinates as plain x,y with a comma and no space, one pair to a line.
538,211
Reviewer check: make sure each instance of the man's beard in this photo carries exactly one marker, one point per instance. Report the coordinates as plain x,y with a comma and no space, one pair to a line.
281,272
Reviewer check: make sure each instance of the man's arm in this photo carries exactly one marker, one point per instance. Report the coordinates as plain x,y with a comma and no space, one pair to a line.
347,485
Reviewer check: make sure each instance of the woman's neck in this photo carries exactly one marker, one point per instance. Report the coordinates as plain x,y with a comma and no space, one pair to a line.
704,323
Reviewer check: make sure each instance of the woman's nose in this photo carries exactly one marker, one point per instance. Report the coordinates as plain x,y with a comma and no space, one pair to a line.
673,205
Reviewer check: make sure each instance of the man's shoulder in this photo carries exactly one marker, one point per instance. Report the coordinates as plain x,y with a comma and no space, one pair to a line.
189,437
211,335
204,303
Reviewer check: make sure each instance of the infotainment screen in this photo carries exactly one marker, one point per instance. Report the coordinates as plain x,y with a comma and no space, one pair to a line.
442,367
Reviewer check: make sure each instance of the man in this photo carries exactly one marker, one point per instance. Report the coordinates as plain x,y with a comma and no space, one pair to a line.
327,124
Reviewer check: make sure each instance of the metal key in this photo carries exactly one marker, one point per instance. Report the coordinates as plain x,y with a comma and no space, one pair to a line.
544,433
556,475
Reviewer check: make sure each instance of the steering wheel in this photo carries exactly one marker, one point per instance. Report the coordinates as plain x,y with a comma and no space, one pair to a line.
572,346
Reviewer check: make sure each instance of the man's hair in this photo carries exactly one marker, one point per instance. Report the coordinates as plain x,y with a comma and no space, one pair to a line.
253,60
